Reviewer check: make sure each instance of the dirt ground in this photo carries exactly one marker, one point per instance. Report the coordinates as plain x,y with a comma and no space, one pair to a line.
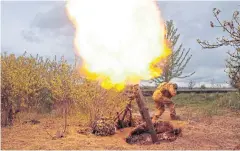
215,132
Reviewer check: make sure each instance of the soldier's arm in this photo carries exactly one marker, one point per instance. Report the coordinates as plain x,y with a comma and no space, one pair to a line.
166,100
172,90
139,129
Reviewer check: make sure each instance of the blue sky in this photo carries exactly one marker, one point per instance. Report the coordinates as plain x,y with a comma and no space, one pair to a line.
42,27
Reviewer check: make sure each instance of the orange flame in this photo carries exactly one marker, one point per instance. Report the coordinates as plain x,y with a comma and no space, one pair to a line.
120,42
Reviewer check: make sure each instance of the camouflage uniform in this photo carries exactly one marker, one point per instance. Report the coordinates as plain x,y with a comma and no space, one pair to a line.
164,130
162,96
104,127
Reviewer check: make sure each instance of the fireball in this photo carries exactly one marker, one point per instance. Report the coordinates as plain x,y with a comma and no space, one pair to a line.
119,42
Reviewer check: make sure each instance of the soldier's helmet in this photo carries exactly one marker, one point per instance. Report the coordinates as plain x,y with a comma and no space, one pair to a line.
175,86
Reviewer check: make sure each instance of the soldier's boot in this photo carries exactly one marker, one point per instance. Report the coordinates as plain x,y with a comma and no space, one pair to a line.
174,117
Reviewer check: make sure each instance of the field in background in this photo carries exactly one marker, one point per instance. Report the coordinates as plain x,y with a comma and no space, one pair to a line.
210,121
205,104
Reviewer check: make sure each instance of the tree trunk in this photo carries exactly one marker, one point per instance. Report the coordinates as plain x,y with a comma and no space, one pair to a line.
65,115
145,114
10,116
4,117
131,121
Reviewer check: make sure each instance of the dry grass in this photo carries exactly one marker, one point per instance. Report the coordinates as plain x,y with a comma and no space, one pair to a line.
215,132
204,104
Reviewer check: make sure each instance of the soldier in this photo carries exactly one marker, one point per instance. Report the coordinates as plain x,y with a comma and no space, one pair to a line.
164,130
162,96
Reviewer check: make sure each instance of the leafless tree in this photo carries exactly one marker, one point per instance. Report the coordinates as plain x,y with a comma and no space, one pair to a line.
232,28
191,84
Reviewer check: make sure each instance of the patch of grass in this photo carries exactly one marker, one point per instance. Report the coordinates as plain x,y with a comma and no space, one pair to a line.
219,100
230,100
211,110
207,104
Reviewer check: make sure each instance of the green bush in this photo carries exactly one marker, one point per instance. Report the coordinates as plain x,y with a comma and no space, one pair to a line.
38,84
